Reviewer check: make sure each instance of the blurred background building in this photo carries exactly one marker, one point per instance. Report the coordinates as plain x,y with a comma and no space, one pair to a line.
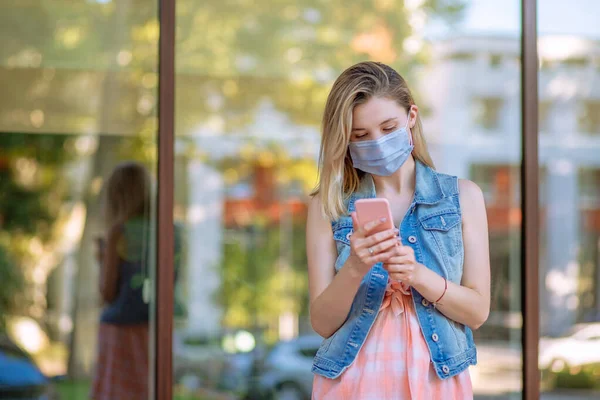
80,94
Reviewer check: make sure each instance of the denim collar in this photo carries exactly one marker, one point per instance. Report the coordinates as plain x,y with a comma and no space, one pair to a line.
428,189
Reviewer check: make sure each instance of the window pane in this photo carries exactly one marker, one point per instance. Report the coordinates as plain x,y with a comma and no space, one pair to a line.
251,88
487,111
570,213
79,93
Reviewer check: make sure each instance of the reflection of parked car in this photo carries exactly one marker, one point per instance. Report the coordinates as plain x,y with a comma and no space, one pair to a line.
198,362
201,362
581,346
286,371
19,376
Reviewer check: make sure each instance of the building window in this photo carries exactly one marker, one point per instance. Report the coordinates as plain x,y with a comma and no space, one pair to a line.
576,62
461,56
547,64
495,60
544,116
589,187
487,112
589,117
497,182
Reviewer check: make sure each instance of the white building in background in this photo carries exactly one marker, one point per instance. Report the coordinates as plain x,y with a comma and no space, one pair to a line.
472,90
204,233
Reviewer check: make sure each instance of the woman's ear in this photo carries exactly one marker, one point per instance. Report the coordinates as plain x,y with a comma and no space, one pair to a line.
412,115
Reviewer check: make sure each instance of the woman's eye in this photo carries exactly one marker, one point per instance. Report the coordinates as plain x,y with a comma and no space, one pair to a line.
389,129
362,135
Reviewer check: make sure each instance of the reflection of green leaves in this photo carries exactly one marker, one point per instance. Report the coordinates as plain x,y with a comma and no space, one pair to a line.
20,208
30,190
31,196
79,66
285,51
11,286
46,149
229,55
452,10
259,281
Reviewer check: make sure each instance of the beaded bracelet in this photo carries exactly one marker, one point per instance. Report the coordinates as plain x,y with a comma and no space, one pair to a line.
435,303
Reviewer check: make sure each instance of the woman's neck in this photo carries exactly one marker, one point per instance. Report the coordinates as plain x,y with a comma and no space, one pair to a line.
400,182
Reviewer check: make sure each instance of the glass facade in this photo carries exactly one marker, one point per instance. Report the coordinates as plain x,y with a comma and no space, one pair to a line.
78,183
570,208
251,88
78,144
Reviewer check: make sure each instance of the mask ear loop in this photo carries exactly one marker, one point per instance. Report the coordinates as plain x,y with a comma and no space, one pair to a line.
408,130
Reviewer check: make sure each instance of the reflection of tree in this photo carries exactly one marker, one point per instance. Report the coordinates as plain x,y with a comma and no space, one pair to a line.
31,212
88,67
286,51
11,286
71,69
258,284
588,291
228,54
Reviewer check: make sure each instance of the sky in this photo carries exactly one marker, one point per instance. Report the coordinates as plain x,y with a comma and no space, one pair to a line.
572,17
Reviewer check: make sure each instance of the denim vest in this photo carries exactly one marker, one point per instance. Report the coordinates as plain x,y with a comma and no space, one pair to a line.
432,227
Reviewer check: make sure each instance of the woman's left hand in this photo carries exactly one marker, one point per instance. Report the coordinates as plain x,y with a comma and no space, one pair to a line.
403,266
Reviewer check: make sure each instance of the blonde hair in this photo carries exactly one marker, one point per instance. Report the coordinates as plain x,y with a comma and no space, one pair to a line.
127,193
358,84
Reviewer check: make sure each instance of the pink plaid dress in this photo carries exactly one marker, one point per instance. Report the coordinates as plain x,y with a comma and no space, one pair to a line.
122,364
394,361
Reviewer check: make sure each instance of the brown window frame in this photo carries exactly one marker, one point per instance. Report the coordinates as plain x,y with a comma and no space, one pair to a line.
530,293
165,277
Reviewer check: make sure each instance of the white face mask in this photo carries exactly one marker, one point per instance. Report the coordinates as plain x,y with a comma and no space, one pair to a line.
385,155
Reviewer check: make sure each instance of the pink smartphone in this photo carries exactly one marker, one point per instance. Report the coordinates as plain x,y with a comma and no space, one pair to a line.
368,210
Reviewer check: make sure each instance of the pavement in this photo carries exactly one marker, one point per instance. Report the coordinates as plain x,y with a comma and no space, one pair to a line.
560,395
497,376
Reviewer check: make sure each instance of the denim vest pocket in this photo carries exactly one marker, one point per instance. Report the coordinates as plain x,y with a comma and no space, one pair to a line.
342,231
445,229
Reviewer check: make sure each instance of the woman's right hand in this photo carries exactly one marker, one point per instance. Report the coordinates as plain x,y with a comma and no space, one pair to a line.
368,249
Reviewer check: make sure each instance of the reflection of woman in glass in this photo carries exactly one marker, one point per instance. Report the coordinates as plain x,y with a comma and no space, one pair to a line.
397,307
122,365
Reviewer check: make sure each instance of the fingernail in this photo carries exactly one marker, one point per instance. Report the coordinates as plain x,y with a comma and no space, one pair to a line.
383,219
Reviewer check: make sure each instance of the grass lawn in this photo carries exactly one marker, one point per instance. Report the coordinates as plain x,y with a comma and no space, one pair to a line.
79,390
73,390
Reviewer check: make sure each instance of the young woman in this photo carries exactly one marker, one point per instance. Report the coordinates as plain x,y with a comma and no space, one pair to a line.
396,308
122,363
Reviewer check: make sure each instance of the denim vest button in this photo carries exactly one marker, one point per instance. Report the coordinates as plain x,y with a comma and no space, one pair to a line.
425,303
412,239
435,337
445,369
348,235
